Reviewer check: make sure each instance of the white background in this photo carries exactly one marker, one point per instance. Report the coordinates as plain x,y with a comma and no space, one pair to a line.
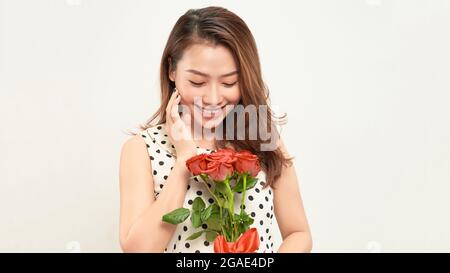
365,84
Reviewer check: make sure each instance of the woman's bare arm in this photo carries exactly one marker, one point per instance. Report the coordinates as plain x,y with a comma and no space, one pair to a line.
141,227
289,212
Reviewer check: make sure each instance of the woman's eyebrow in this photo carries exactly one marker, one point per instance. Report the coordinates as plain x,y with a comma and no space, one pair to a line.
206,75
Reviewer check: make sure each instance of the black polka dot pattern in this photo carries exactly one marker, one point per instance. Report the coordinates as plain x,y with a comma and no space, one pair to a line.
258,201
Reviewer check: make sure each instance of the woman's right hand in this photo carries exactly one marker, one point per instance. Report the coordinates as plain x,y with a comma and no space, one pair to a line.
179,129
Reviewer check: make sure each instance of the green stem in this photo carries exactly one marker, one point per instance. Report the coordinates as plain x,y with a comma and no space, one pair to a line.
223,232
230,207
204,178
243,192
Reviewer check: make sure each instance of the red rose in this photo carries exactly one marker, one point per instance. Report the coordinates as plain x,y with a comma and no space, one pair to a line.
197,164
219,170
223,155
247,162
220,164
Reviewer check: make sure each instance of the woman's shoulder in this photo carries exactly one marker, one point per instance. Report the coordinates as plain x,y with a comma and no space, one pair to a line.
155,131
134,144
134,154
157,139
141,140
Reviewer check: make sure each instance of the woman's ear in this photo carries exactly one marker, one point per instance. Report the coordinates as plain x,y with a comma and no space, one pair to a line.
172,75
171,70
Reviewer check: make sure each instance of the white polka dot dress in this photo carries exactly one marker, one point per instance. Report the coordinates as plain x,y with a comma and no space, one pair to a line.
258,201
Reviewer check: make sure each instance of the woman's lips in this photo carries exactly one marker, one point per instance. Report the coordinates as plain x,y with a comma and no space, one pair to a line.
209,113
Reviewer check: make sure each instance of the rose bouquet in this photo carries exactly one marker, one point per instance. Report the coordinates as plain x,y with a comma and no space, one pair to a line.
224,173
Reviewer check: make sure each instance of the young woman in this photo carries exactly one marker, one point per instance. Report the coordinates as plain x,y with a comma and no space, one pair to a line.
209,65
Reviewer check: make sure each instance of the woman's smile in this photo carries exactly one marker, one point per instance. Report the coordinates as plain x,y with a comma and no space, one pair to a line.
209,113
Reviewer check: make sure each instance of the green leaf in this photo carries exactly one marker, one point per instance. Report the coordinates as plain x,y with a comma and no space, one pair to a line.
213,222
220,202
196,219
176,216
221,188
236,181
215,208
222,193
225,204
251,182
246,218
195,235
244,221
224,214
242,228
211,236
249,221
206,213
198,204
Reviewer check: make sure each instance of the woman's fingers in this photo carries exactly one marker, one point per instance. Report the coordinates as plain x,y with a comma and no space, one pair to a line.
186,118
180,131
169,107
174,111
172,98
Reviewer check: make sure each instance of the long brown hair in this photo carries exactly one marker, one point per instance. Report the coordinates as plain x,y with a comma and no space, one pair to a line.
217,25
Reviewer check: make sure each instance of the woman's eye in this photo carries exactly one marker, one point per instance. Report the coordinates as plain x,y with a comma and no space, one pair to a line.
229,84
197,84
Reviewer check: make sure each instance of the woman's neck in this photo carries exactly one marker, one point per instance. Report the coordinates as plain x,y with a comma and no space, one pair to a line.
201,140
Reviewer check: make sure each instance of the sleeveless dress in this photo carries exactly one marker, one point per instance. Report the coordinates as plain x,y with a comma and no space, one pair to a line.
258,201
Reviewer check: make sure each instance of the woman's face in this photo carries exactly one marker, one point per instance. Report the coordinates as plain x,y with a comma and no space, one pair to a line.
207,80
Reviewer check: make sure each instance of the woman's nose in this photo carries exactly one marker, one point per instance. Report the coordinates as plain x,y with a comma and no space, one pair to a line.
212,97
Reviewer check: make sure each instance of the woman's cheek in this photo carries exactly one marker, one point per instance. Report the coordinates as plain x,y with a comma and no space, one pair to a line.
234,96
188,94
